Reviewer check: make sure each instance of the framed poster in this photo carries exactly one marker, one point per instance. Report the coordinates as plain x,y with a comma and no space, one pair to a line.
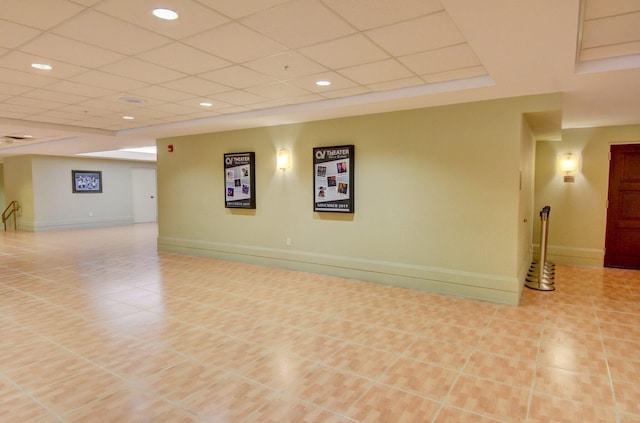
333,179
240,180
86,181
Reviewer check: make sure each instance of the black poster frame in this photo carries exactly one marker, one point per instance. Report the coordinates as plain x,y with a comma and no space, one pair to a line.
333,179
86,181
240,180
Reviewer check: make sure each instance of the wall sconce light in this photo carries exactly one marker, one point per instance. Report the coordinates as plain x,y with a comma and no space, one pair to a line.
284,159
568,165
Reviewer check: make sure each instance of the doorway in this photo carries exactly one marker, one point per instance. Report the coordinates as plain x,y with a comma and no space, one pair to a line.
143,191
622,242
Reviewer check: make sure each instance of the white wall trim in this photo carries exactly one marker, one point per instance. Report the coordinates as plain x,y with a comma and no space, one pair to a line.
489,287
63,225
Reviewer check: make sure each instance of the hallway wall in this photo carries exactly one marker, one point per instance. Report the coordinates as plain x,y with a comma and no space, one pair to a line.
437,193
577,221
43,187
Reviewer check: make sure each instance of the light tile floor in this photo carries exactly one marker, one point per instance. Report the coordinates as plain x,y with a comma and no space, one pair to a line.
96,326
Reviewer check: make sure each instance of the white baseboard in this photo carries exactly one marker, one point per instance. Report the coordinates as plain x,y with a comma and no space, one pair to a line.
63,225
573,256
488,287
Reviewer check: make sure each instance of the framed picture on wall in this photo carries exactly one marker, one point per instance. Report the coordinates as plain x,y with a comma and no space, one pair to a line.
86,181
240,180
333,188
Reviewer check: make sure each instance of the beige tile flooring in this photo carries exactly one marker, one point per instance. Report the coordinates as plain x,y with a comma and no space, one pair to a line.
96,326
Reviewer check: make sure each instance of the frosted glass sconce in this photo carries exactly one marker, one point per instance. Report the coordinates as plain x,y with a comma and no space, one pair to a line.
284,159
568,165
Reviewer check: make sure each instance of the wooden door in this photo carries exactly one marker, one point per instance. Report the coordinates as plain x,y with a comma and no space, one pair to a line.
622,245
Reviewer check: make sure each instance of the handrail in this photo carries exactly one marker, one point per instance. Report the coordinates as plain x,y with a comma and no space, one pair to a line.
12,209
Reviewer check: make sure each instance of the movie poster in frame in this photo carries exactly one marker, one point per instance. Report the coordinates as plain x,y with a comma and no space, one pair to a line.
240,180
333,188
86,181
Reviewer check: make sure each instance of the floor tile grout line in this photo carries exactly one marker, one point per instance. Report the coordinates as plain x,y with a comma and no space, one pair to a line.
616,406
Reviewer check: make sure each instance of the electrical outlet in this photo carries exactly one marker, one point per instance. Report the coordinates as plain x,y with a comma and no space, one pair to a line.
288,242
90,214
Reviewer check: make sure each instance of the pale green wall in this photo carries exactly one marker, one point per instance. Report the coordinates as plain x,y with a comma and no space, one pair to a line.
43,187
438,198
577,221
18,185
525,214
3,201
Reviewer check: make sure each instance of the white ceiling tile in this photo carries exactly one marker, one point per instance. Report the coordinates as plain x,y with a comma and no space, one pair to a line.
183,58
456,74
234,109
367,14
426,33
26,79
203,115
122,97
162,93
123,37
240,8
194,17
277,90
299,23
347,92
288,101
615,50
286,66
618,29
60,115
22,62
239,98
308,83
148,113
195,102
87,3
236,43
174,109
140,70
106,105
237,77
440,60
397,84
345,52
49,95
13,35
38,13
106,80
80,89
372,73
197,86
34,102
13,89
602,8
45,118
19,110
70,51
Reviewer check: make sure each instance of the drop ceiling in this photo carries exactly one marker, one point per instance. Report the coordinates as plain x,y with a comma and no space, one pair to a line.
256,62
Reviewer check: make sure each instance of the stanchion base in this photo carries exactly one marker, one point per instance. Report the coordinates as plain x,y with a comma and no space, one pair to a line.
540,286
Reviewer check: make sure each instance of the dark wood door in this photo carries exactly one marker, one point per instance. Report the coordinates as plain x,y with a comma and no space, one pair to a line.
622,245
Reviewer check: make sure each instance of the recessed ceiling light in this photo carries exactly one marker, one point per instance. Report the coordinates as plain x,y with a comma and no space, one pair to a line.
206,104
128,117
323,83
166,14
41,66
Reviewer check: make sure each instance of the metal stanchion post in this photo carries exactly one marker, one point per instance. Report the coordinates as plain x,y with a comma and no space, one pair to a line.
541,275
